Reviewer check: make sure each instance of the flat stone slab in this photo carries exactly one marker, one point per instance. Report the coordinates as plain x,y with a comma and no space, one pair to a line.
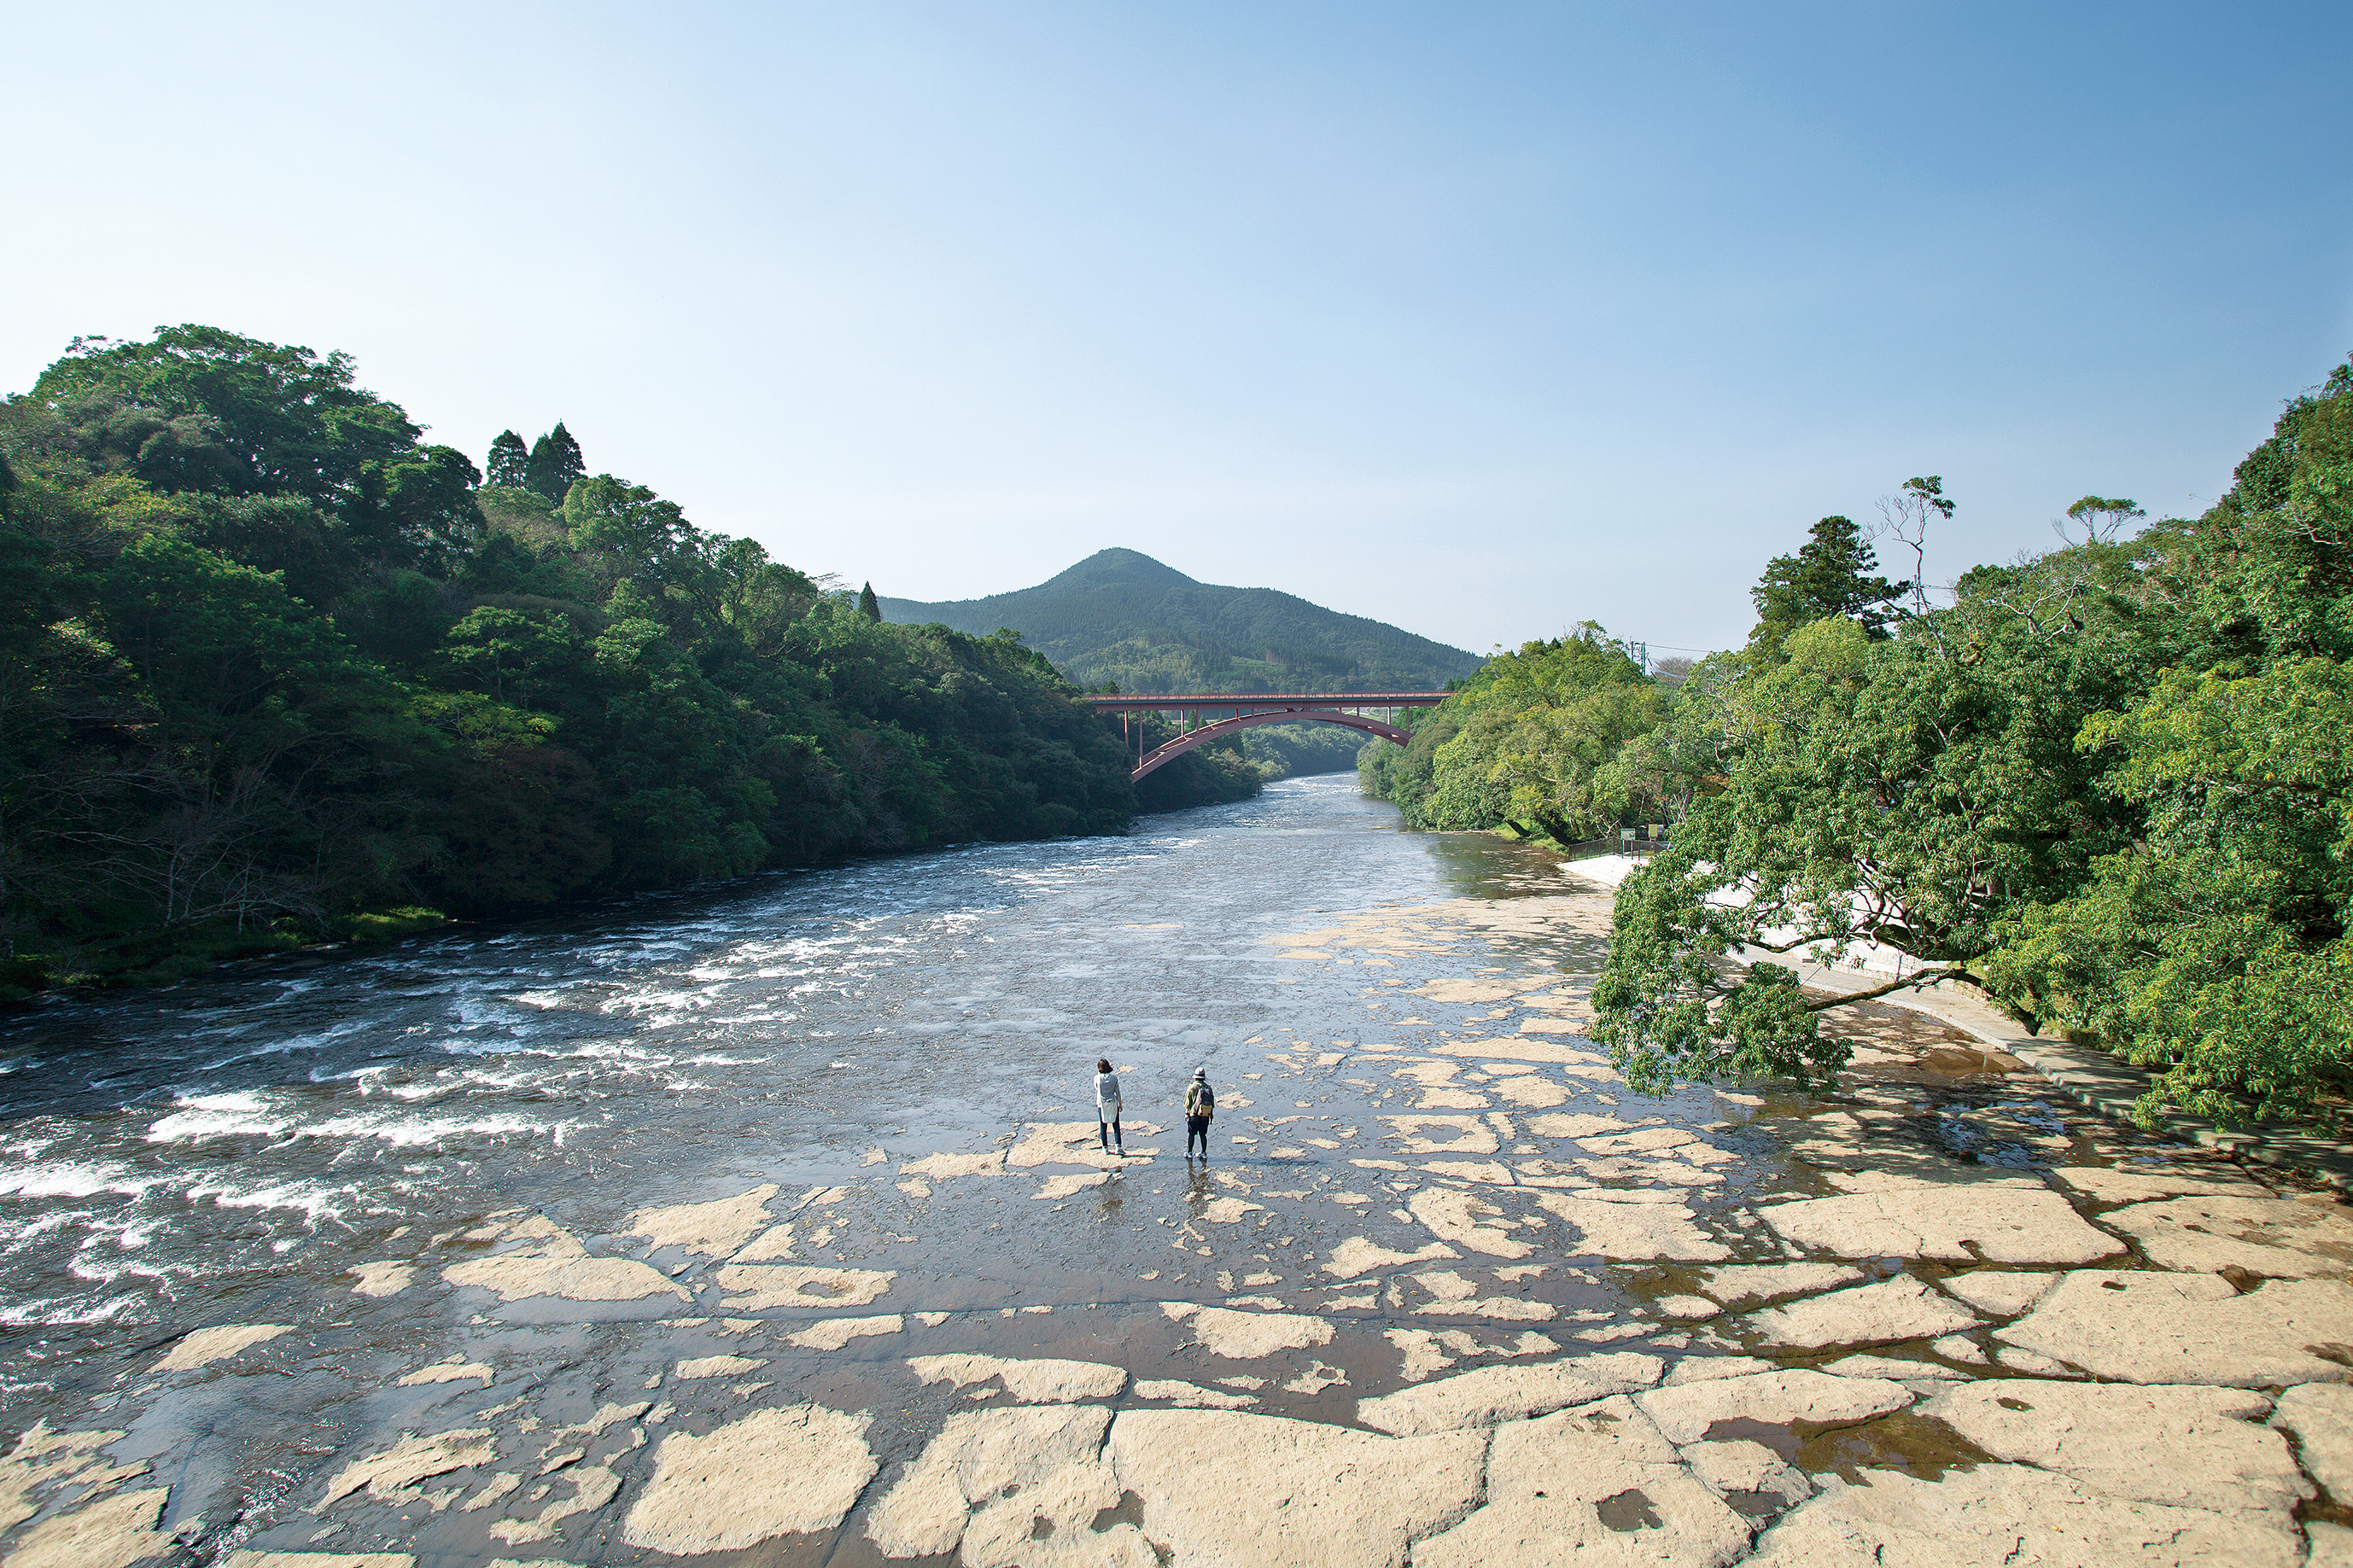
2143,1326
1781,1398
413,1459
1495,1393
2117,1184
1222,1488
2191,1446
1358,1255
1043,1381
2279,1238
1745,1282
2002,1516
1632,1228
1998,1293
208,1345
1029,1464
756,1286
1595,1485
2321,1416
1998,1224
715,1230
1466,1220
1247,1336
779,1472
546,1261
1898,1309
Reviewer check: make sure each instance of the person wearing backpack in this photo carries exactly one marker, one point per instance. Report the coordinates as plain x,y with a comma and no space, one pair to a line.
1107,1107
1201,1104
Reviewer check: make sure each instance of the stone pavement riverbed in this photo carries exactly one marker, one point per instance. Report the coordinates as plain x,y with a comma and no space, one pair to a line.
1444,1293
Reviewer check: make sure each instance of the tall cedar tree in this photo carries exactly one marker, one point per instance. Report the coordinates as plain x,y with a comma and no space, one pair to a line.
510,462
554,464
867,605
1831,576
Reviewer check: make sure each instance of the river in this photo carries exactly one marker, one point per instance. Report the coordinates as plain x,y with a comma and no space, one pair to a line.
259,1231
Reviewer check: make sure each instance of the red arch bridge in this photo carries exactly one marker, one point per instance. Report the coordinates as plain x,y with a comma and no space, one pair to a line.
1204,716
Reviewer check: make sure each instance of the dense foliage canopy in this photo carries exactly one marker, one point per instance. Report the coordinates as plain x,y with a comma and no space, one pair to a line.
2107,786
272,662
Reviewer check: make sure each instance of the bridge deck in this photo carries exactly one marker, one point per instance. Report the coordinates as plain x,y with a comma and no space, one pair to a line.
1146,701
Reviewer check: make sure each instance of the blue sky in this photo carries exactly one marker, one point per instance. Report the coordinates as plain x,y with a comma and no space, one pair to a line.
1480,319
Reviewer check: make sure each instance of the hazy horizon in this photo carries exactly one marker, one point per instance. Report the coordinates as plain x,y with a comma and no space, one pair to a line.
1480,323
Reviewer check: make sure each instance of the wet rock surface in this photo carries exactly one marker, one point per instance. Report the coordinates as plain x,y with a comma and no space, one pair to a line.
777,1227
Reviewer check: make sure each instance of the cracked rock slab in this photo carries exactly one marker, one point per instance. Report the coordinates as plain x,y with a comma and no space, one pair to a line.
2143,1326
413,1459
992,1478
2195,1448
832,1334
2110,1185
2001,1516
1457,1217
1898,1309
778,1472
1741,1466
1247,1336
1781,1398
1998,1224
1359,1255
756,1286
1225,1489
112,1532
1745,1282
1596,1485
713,1229
551,1262
2278,1238
2321,1416
1631,1227
208,1345
1496,1393
1038,1382
2000,1293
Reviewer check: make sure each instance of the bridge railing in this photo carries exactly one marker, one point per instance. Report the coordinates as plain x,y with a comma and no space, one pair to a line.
1172,701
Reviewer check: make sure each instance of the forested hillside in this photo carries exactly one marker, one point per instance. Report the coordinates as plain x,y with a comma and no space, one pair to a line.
2108,787
1121,618
274,665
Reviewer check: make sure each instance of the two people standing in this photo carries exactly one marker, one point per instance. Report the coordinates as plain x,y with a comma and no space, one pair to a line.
1200,1105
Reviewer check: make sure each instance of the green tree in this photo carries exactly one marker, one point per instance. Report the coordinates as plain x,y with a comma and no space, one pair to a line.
1528,739
867,605
2104,786
212,410
554,464
1831,575
273,752
510,462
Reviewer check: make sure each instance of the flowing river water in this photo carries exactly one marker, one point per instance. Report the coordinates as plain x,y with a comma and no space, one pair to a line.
770,1225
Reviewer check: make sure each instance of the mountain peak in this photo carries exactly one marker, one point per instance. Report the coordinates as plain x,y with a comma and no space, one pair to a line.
1108,568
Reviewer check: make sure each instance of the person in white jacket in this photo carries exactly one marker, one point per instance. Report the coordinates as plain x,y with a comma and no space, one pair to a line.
1107,1107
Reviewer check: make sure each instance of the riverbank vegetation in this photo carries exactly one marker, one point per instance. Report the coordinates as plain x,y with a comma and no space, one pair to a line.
2107,786
276,669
